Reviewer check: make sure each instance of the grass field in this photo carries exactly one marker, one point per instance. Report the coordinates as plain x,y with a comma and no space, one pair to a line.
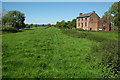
54,53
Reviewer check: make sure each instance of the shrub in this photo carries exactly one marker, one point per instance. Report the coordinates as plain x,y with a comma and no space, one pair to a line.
107,48
110,56
87,35
9,28
80,29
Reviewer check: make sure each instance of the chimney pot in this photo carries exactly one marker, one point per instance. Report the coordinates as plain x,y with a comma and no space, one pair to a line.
80,13
93,11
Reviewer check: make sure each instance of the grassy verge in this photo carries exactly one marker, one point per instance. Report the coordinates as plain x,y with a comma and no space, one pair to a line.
107,49
50,53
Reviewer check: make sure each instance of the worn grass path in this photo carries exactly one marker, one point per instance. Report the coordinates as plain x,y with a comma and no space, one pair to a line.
48,53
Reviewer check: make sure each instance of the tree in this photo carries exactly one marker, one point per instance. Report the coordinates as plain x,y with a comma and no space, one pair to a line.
63,24
69,24
14,18
49,25
73,23
31,25
36,25
43,25
27,25
58,24
113,13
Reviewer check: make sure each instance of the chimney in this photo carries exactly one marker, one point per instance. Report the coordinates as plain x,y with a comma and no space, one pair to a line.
93,11
80,14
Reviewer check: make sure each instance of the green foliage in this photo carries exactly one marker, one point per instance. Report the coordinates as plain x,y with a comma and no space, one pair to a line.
73,23
108,51
50,53
110,57
37,25
80,29
84,34
49,25
47,53
58,24
27,25
13,18
61,24
69,24
114,13
31,25
7,27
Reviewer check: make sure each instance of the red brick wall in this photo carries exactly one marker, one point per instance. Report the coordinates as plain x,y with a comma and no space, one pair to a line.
92,23
94,18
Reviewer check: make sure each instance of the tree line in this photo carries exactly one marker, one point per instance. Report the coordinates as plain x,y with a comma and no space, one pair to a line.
38,25
68,24
14,20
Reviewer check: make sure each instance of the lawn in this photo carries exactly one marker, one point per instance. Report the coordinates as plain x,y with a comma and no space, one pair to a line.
52,53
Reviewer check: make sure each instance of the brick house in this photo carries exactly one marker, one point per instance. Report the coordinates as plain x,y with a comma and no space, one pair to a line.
91,21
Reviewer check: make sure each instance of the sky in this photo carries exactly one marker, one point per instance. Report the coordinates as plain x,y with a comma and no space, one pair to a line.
60,0
51,12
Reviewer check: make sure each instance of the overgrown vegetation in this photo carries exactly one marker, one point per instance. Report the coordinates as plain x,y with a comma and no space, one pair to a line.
37,25
69,24
114,14
108,51
110,57
13,21
58,53
50,53
84,34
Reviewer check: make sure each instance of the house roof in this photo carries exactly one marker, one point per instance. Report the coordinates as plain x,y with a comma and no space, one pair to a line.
103,21
85,15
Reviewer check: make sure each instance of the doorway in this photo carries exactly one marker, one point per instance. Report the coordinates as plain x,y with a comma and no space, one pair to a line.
90,29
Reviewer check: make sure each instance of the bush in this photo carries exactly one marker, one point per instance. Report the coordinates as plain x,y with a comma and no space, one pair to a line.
107,48
110,56
80,29
87,35
9,28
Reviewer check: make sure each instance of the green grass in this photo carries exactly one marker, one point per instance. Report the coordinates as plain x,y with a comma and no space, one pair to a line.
51,53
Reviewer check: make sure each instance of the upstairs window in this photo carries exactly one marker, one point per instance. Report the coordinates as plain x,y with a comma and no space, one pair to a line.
85,18
81,19
85,23
82,25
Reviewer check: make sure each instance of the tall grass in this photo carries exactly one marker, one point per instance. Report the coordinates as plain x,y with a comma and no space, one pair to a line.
50,53
110,57
107,50
84,34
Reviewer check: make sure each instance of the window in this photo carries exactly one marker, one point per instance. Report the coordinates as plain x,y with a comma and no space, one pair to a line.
78,24
82,25
81,19
85,18
78,19
85,23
